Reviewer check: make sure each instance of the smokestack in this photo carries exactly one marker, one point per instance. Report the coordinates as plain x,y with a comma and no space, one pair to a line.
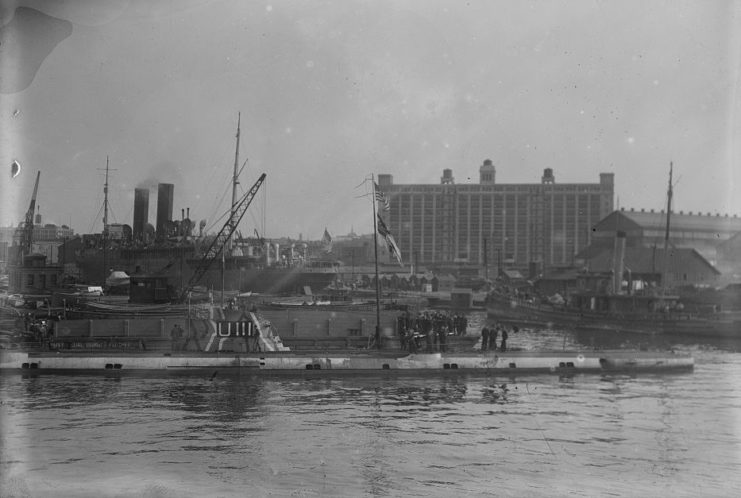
141,212
165,196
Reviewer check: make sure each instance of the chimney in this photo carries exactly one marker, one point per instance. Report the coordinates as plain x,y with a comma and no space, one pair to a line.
165,195
141,212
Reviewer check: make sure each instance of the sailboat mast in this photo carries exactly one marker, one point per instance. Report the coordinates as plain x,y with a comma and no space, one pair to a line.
666,233
378,282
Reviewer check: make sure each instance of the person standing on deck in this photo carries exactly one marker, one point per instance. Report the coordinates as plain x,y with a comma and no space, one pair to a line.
442,337
493,333
484,338
175,334
503,346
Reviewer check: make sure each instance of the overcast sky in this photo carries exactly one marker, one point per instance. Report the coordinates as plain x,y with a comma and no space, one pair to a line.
332,91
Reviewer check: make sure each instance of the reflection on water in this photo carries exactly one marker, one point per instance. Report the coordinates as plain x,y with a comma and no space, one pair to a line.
471,435
533,339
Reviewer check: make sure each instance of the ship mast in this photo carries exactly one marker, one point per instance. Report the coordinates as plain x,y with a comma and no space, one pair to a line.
666,233
105,223
235,177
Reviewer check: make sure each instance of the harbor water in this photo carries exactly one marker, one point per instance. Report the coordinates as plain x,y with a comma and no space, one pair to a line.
381,435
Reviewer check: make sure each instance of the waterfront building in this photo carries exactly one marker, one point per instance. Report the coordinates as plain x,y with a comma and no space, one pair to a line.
34,276
705,233
46,239
729,257
520,225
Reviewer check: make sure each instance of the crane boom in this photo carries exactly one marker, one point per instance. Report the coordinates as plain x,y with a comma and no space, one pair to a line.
222,238
27,233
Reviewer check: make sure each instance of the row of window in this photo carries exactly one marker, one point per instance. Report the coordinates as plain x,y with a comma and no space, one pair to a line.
39,281
495,189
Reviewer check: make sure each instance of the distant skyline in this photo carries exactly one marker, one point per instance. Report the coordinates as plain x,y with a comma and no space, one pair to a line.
332,92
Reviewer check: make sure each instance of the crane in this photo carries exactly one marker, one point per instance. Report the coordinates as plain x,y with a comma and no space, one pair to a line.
216,248
27,230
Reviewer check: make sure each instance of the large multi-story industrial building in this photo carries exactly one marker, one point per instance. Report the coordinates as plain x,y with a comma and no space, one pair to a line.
517,225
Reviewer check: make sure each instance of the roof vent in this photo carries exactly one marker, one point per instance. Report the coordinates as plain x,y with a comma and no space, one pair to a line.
643,210
652,210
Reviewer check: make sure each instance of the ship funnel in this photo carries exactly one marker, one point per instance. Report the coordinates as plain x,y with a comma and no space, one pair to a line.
141,212
165,193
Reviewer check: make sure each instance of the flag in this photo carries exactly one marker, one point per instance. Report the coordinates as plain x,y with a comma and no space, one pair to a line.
382,198
327,241
383,231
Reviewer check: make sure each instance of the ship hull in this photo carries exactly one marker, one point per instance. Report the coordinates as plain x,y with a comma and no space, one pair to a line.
341,363
178,265
241,342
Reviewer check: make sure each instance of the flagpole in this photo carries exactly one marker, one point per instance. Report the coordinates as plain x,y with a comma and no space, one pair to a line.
378,283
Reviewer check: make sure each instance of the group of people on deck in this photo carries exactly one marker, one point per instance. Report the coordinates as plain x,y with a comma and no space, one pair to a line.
489,335
429,329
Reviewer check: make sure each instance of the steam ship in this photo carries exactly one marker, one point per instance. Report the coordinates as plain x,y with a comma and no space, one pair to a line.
173,250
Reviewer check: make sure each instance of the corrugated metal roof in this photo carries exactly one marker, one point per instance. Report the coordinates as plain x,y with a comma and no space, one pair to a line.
678,222
646,260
